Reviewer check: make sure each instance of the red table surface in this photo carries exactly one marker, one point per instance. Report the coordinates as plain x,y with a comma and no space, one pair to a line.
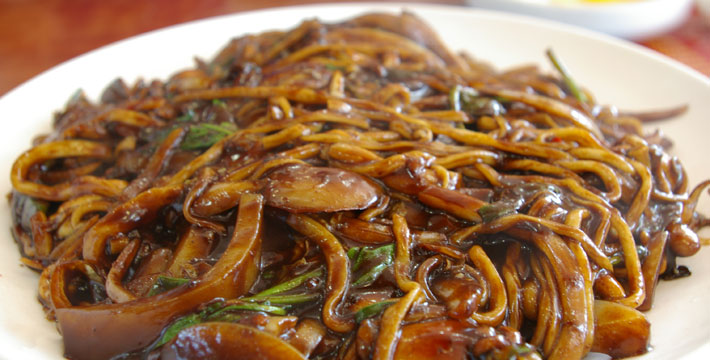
38,34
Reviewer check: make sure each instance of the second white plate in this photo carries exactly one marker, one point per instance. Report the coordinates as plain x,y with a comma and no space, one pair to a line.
630,20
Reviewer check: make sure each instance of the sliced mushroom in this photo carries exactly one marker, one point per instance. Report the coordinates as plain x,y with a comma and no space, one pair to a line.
307,189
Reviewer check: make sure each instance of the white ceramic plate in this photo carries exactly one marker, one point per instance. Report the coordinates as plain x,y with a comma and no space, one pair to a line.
630,20
617,72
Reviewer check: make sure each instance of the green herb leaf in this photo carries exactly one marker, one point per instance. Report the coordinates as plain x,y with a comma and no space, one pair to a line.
369,253
214,312
205,135
386,256
249,307
177,326
229,127
287,285
571,84
226,317
372,310
292,299
369,277
165,283
353,252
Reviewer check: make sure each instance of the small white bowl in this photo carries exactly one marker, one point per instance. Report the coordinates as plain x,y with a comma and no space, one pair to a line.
631,20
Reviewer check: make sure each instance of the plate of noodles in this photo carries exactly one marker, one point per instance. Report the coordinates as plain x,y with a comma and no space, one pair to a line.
357,181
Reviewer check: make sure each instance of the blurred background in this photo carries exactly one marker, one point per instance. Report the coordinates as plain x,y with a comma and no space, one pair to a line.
38,34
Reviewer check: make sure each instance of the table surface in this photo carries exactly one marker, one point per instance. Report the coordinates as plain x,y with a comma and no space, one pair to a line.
38,34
